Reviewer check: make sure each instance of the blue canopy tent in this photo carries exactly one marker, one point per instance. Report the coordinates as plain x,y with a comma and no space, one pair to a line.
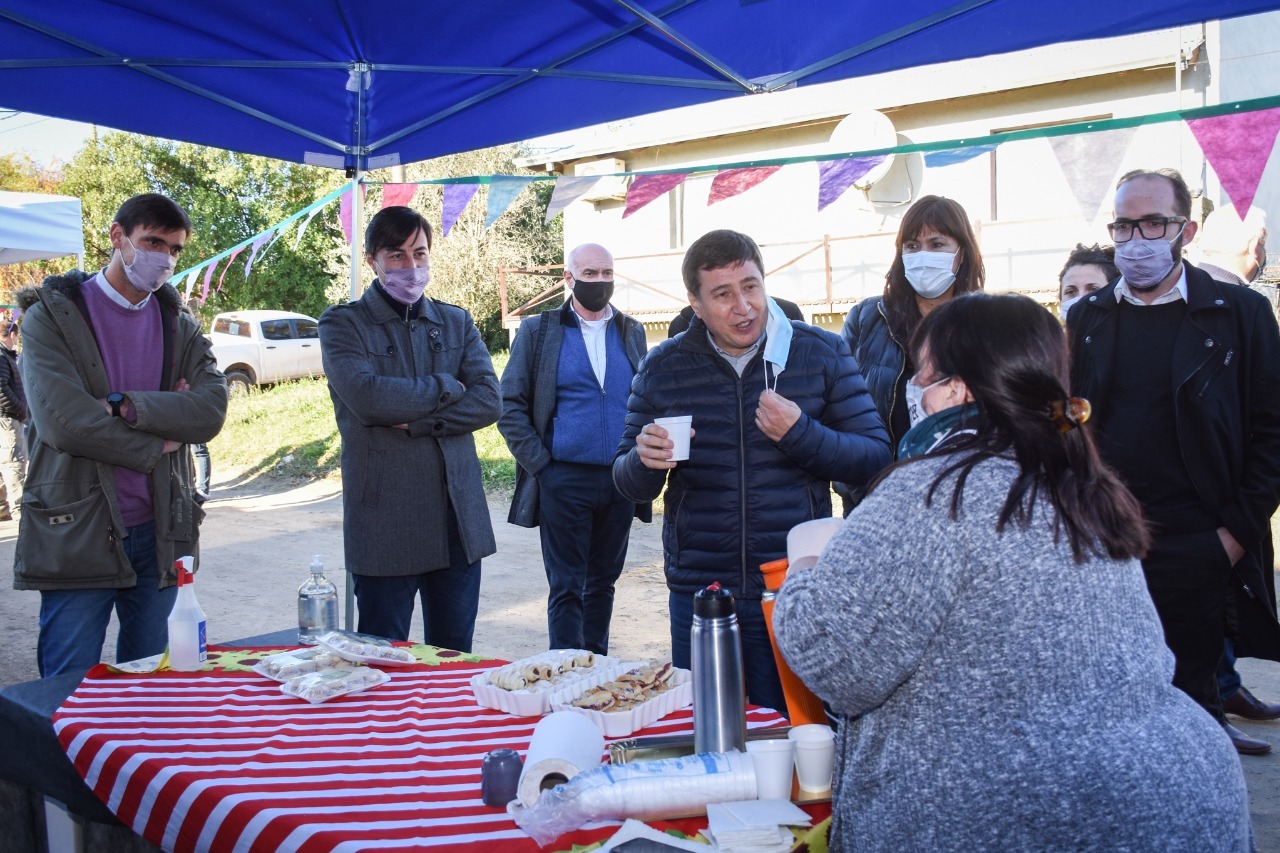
360,84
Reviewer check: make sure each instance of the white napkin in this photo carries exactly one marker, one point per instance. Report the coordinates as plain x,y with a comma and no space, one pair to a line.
756,826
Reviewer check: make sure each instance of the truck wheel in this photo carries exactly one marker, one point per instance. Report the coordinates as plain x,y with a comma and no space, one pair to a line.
238,383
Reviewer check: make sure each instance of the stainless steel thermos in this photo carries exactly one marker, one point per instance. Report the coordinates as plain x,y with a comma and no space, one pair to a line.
719,689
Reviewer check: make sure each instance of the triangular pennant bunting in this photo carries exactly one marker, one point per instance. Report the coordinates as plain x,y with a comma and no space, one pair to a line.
208,276
302,229
836,176
567,191
456,199
345,212
645,188
398,195
190,283
731,182
503,190
1237,146
1090,162
952,156
231,260
257,247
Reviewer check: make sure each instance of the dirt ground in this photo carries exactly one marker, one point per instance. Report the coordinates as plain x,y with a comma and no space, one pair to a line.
256,547
259,537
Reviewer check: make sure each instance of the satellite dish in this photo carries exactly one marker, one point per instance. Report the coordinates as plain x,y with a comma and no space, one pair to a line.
865,130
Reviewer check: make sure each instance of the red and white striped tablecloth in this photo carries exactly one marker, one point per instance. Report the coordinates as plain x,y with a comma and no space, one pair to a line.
223,761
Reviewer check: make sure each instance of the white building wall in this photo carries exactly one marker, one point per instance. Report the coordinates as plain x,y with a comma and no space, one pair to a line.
1025,212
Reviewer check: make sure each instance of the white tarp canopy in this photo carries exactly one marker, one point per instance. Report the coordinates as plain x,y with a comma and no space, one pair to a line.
34,226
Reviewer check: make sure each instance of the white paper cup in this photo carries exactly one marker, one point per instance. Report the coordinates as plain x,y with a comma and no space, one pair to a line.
677,428
815,756
805,541
774,760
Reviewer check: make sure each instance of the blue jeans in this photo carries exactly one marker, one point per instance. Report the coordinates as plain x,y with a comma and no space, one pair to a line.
73,622
450,600
1228,678
585,524
763,685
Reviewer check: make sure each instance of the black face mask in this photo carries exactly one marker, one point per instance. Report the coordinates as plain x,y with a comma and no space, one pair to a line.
592,295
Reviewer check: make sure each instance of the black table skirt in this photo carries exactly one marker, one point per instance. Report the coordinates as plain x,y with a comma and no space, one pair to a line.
30,754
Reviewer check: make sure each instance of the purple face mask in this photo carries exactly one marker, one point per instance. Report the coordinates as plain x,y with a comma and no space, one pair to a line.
405,285
149,269
1146,263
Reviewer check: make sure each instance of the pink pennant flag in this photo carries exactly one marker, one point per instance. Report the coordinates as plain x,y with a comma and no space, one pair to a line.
208,277
257,247
345,212
731,182
836,176
456,199
1238,146
231,260
398,195
645,188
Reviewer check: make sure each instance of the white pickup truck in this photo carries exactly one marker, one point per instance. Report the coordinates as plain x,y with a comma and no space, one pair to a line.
257,347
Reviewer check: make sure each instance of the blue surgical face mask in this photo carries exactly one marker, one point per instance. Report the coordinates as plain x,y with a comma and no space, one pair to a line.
929,273
777,341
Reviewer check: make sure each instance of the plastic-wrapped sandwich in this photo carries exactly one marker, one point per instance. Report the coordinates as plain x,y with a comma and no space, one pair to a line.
331,683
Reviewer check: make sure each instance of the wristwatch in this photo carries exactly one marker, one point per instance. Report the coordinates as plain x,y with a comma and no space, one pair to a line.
115,398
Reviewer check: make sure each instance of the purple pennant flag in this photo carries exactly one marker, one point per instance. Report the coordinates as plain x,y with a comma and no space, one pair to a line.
836,176
208,277
257,247
456,199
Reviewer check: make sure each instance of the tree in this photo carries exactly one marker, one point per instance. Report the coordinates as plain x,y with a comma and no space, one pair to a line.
464,265
229,197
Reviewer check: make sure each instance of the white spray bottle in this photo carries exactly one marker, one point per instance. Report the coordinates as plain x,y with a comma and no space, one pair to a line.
187,649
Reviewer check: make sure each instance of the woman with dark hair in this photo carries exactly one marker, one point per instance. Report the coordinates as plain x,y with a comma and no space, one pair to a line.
1088,268
937,257
994,656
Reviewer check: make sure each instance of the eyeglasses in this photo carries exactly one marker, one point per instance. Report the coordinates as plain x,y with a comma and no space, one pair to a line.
1152,227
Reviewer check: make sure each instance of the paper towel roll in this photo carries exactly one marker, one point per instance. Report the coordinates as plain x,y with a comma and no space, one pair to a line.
563,745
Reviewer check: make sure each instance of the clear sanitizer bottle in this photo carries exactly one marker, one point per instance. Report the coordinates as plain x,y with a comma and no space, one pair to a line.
317,605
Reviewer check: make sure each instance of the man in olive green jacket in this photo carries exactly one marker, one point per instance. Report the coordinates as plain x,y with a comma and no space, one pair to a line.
118,379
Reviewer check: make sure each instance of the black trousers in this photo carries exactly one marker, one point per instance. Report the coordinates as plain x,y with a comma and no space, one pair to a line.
1188,576
585,524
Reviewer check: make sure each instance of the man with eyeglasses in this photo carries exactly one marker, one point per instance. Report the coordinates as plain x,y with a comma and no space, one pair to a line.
1184,375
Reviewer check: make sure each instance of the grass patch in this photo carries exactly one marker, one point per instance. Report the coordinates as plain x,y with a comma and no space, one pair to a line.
288,431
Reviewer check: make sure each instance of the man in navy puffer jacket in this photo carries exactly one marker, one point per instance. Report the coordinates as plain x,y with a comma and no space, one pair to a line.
766,445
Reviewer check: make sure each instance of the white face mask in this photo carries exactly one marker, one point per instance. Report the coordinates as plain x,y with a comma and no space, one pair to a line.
915,399
1066,304
149,269
929,273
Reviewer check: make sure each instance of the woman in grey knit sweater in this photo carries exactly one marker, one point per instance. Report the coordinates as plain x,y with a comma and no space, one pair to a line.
982,628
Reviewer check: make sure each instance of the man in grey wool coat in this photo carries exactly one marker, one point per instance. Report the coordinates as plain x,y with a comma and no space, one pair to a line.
411,381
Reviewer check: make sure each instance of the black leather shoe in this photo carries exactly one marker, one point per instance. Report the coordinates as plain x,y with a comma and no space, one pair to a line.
1244,744
1244,704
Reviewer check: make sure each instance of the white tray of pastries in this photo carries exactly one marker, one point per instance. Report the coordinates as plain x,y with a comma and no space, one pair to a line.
529,686
638,696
